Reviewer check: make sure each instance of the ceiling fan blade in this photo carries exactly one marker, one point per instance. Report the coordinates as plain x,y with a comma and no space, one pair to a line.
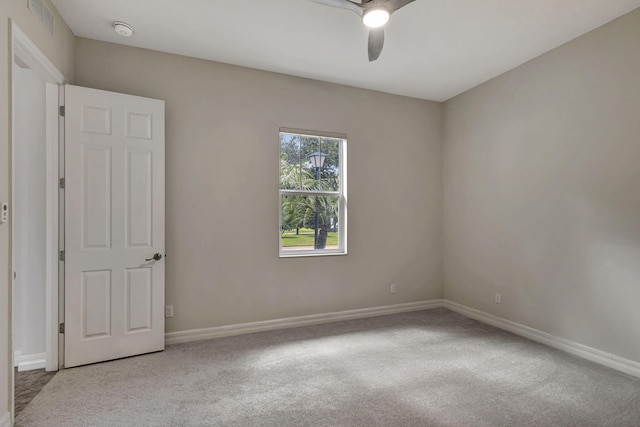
397,4
376,42
342,4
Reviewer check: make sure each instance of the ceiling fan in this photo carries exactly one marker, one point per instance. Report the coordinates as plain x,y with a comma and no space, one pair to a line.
375,14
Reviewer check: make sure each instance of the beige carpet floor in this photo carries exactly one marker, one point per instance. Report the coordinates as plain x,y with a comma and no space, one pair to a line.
427,368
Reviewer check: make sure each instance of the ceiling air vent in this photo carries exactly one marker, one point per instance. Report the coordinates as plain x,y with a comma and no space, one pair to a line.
43,13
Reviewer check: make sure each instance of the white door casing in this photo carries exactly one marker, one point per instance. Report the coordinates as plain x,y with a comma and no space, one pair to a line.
28,53
114,207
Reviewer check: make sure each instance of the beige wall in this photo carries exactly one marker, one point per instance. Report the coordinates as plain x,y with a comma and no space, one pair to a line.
541,183
60,51
222,187
542,192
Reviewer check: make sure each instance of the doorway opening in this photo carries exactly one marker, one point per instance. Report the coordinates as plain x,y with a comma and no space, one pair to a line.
34,213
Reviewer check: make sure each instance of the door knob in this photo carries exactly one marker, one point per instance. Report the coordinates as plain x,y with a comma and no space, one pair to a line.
156,257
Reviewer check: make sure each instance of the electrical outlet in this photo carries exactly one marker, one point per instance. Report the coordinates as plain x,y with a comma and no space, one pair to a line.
393,288
168,311
4,212
498,298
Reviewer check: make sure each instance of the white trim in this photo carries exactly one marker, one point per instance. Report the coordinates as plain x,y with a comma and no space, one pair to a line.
16,358
598,356
313,133
294,322
21,39
29,362
341,195
52,229
22,44
5,421
310,193
61,235
28,51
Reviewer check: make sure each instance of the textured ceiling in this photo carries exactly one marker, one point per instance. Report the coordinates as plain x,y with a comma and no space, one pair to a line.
434,49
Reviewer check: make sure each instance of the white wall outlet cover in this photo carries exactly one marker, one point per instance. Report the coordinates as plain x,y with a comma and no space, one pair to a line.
168,311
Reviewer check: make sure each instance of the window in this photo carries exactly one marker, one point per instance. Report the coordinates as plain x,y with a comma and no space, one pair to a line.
313,188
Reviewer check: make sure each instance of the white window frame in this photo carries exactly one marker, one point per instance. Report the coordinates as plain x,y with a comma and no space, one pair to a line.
341,193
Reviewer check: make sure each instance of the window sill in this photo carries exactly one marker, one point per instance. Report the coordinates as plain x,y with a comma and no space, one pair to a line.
301,254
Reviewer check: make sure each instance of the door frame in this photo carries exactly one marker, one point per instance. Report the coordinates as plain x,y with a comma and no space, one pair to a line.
27,51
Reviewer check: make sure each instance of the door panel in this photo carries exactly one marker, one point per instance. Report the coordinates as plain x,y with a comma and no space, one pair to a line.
114,204
139,199
139,297
96,200
96,304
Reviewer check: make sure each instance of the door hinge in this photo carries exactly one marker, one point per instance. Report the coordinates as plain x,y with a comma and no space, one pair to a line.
61,328
62,110
61,182
61,256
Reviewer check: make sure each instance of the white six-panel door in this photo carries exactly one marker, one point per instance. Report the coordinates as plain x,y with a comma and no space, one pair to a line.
114,224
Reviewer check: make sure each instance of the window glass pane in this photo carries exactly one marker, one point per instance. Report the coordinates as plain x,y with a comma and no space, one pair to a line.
330,171
290,177
309,150
309,162
302,216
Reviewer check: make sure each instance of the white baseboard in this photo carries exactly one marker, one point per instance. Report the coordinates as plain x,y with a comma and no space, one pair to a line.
16,358
294,322
5,420
598,356
29,362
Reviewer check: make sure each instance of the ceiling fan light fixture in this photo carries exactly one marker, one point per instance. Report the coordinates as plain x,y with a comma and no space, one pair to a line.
375,18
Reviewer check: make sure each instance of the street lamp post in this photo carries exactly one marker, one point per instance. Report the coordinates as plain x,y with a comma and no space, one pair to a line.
317,161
